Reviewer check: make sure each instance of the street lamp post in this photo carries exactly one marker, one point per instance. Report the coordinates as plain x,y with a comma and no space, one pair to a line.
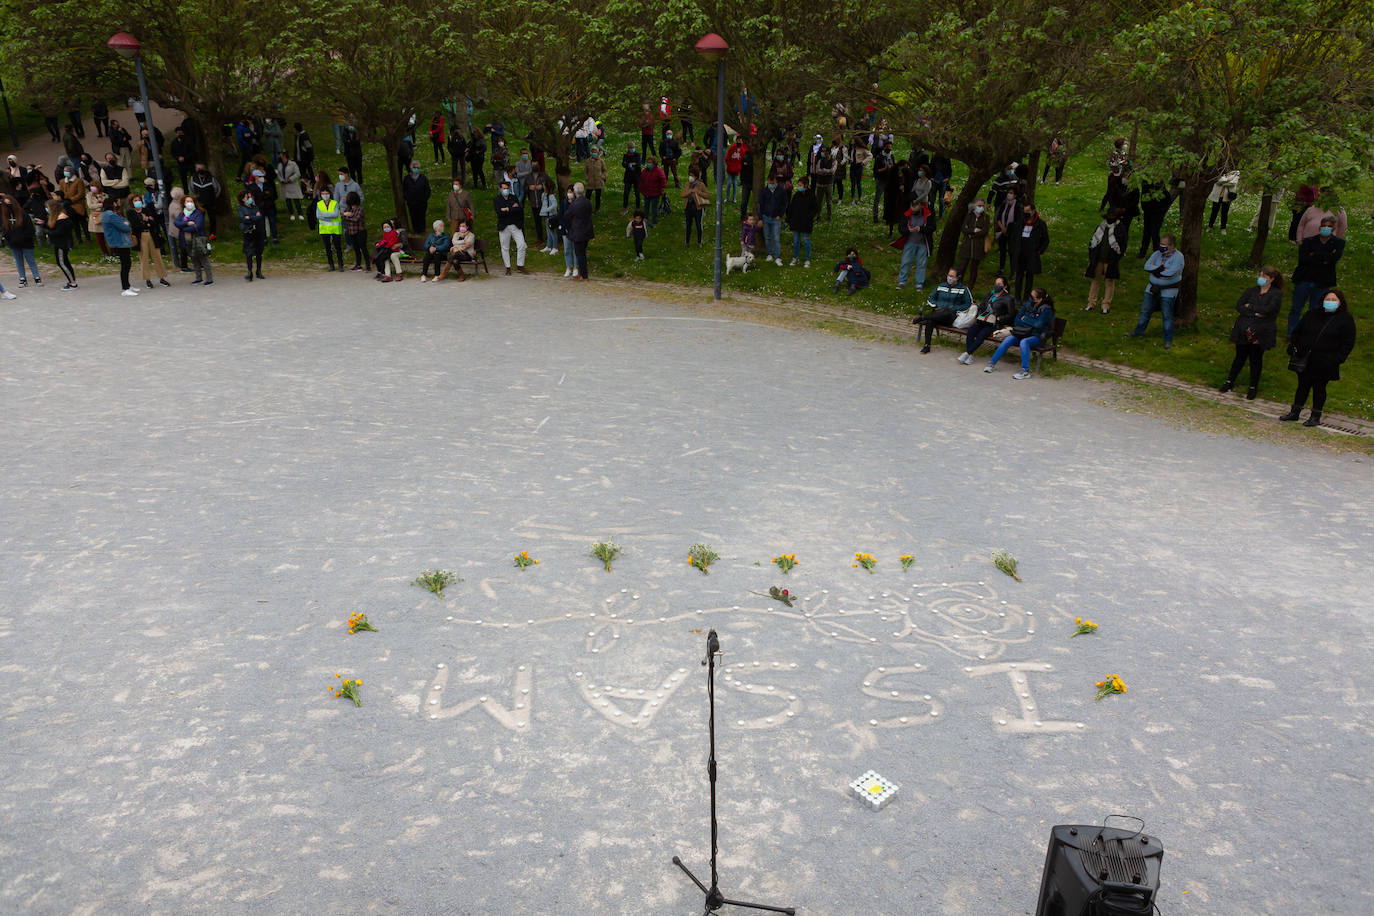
126,46
713,48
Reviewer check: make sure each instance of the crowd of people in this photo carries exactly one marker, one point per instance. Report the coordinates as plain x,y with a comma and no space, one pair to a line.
95,198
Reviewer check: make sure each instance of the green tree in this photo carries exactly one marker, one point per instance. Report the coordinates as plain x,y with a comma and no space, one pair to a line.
992,81
50,68
792,58
1278,88
364,62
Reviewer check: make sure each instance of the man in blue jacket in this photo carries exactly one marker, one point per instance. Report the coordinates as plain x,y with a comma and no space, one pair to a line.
1033,324
1164,270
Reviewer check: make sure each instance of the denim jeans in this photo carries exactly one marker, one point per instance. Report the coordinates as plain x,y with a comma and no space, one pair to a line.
801,241
1161,300
21,255
552,234
731,188
1305,296
772,237
1026,343
651,209
916,249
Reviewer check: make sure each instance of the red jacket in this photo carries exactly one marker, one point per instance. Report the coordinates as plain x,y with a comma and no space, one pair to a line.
652,182
734,158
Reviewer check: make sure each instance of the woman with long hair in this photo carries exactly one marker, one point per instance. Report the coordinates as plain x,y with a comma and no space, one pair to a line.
1256,328
62,234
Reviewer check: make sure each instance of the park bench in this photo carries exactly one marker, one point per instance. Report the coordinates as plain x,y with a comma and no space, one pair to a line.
1050,346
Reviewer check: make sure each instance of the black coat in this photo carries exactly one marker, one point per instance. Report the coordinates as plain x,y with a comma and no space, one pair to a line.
1317,259
801,211
577,220
1257,322
1028,247
415,191
1328,337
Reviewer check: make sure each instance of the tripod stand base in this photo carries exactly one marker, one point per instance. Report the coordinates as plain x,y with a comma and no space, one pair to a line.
715,899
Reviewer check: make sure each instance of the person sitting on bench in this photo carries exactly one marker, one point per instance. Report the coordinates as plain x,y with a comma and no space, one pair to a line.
946,301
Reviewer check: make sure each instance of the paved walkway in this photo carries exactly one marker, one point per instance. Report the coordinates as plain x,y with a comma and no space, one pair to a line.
201,486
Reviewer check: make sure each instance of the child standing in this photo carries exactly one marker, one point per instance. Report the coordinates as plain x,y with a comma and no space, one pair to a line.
749,233
637,229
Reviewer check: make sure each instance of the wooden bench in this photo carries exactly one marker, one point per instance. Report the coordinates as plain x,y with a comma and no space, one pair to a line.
1050,346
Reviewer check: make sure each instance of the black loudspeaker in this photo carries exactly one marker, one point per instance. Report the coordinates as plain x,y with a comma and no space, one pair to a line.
1100,871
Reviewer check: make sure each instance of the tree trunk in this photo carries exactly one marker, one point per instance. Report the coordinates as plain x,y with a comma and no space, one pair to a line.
1261,231
213,151
948,248
1192,207
391,142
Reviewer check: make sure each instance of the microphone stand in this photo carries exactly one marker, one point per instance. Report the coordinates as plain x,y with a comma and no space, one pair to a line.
714,898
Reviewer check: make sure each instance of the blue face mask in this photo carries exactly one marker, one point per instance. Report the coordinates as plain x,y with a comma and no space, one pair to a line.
1261,281
1329,305
1326,231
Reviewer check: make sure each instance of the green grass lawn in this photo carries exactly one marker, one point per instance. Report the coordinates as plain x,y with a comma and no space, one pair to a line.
1199,355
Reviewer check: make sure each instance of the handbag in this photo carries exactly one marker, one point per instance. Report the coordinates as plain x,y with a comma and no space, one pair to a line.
966,318
1297,362
987,243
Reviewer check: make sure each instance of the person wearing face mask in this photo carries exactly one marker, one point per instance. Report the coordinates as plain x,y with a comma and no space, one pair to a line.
265,199
20,235
147,231
630,164
1033,324
973,241
1316,271
578,229
548,213
191,222
670,151
500,158
734,161
329,219
780,171
462,249
1164,271
946,301
415,192
510,227
73,187
458,207
652,184
253,225
523,169
355,228
1003,183
1322,341
1031,238
346,185
386,254
914,244
1256,328
773,201
458,154
1104,259
205,188
695,197
994,311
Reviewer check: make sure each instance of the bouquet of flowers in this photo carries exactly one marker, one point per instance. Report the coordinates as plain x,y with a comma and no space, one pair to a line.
701,556
1111,685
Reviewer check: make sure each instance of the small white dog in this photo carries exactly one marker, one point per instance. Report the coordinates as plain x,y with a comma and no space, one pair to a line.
742,262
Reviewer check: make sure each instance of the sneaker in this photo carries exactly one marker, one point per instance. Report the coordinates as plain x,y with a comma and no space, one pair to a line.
8,295
23,283
926,348
792,263
553,251
129,292
901,286
521,269
806,264
567,273
69,286
195,283
1168,345
422,279
965,358
150,283
990,367
208,283
777,261
37,280
1024,373
163,282
639,257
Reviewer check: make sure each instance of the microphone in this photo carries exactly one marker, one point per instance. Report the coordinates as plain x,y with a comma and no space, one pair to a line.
712,647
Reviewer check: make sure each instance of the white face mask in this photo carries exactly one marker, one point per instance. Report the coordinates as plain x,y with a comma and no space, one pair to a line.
189,208
457,188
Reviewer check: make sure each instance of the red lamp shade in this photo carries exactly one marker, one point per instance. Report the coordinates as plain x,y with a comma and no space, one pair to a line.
712,47
124,44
